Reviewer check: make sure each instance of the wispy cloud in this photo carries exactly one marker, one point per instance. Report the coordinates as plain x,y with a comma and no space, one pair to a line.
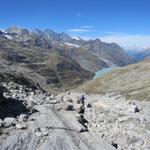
81,29
127,41
78,30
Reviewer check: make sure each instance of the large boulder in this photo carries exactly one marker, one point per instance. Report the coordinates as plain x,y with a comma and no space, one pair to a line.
21,126
69,108
9,121
65,106
23,117
133,108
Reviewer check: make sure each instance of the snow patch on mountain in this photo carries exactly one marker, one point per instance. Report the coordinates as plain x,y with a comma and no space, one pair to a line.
2,30
110,63
69,44
76,38
8,36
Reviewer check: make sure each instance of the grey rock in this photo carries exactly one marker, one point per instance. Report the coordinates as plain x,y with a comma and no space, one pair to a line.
48,128
89,105
133,108
19,140
21,126
69,108
114,144
23,117
65,106
9,121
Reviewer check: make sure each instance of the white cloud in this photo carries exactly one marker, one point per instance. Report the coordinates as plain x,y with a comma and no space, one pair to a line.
78,30
81,29
128,41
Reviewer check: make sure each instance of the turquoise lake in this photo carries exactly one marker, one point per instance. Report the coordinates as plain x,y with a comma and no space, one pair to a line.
104,71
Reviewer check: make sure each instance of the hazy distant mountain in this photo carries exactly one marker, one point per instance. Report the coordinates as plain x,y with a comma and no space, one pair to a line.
139,55
91,55
111,52
108,51
22,34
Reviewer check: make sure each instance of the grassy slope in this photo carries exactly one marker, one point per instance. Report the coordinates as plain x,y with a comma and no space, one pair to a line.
132,81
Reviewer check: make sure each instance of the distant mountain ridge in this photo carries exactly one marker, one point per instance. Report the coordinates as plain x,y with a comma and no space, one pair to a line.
22,34
107,51
56,60
100,51
139,55
51,68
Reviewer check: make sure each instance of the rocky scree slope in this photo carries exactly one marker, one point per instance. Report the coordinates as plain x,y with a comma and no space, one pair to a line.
123,123
33,120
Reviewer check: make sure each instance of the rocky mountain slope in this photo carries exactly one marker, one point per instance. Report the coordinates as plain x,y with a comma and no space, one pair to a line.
100,52
132,81
121,122
56,60
85,58
33,120
106,51
48,67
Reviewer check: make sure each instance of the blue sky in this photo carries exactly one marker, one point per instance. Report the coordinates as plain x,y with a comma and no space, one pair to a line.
111,20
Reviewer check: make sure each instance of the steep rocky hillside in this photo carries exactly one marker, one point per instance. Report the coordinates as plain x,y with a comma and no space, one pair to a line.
104,53
33,120
85,58
51,68
132,81
56,60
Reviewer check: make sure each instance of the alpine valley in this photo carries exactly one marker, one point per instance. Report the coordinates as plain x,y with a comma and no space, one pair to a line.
51,100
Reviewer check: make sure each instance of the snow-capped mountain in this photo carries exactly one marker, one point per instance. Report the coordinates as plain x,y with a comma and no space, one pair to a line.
90,54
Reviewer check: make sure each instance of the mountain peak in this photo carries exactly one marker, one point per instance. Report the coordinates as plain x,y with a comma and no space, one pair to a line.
76,38
17,30
57,36
98,41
